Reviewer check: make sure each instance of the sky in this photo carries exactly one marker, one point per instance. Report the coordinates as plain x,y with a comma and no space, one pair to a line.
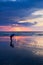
21,15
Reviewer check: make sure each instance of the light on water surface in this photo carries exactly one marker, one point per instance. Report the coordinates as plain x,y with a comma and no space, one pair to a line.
35,43
25,50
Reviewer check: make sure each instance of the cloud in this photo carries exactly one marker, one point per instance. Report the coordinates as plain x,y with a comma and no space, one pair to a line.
38,12
12,0
27,13
13,16
37,28
24,24
35,15
20,17
7,0
23,17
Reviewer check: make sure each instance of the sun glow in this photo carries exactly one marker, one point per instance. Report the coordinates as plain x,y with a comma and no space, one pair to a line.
10,28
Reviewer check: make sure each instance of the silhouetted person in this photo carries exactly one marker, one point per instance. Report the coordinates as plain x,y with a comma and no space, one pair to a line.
11,40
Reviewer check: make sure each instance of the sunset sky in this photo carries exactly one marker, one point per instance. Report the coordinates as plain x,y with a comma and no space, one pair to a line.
21,15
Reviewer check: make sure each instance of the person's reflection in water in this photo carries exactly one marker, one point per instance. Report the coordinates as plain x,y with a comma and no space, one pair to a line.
12,45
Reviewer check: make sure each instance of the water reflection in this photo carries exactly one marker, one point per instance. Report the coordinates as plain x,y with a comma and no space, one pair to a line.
32,43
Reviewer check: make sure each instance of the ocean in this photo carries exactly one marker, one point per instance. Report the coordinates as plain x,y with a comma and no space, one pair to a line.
25,48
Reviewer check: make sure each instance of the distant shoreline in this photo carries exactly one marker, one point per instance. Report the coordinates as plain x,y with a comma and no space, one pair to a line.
22,33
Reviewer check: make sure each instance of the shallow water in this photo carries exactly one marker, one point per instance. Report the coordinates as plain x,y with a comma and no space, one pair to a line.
27,50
